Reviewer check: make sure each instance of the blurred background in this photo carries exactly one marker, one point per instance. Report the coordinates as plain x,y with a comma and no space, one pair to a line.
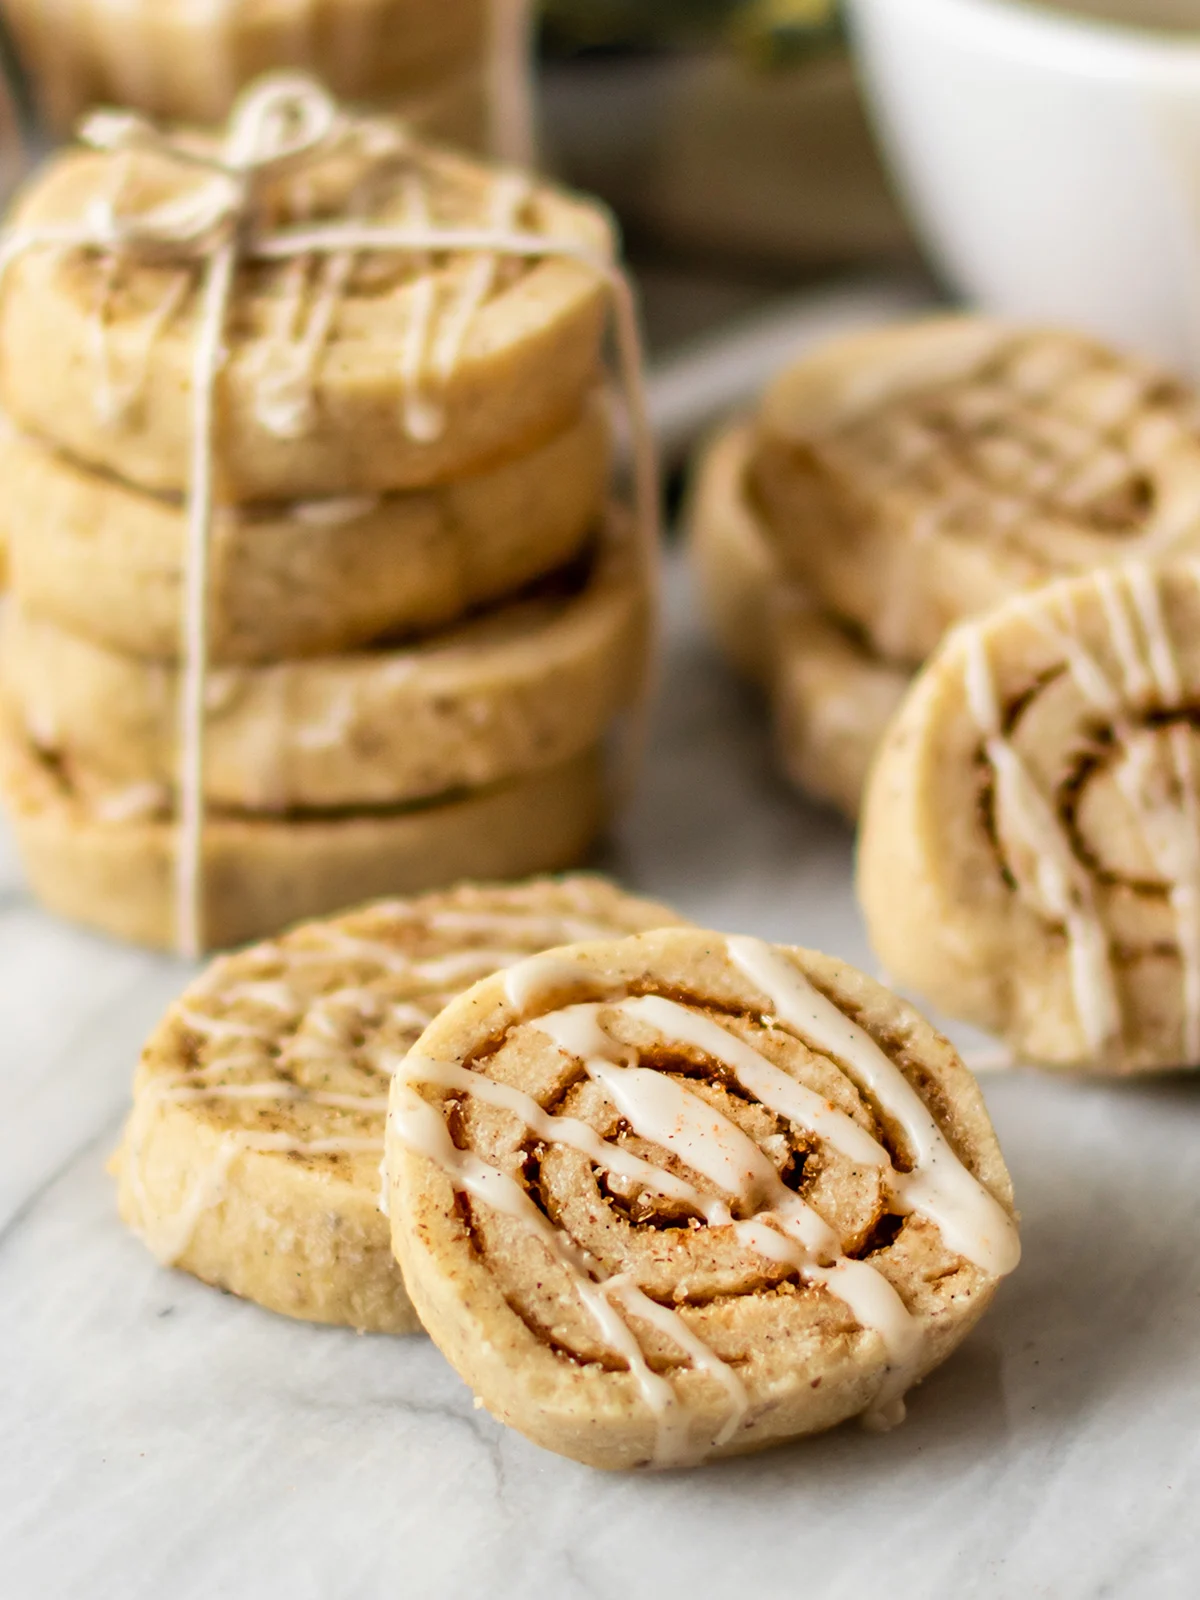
730,137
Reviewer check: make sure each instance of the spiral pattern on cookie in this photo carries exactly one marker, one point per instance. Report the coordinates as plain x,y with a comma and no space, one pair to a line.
1046,775
682,1196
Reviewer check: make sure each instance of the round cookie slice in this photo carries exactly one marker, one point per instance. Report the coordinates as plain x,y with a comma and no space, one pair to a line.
525,686
682,1196
107,858
187,62
346,372
1030,852
921,474
252,1154
831,696
734,570
832,700
297,579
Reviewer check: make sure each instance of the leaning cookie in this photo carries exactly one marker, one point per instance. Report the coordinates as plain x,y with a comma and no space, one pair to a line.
733,569
918,475
527,685
831,695
297,578
251,1157
684,1196
1030,853
107,858
832,700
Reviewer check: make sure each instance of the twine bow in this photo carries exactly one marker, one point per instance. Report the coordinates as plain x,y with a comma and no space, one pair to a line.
285,124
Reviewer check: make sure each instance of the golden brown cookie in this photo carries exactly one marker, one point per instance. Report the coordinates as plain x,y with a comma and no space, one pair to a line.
525,686
733,569
252,1154
346,372
920,474
832,699
108,858
1030,852
186,62
831,695
296,579
683,1196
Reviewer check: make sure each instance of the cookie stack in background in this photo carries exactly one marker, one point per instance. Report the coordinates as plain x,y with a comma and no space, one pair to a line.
897,482
457,71
394,653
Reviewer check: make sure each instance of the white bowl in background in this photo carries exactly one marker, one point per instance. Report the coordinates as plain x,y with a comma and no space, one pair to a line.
1051,162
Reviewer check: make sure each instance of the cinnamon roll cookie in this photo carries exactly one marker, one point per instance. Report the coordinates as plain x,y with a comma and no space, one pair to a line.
346,372
1030,854
251,1157
108,857
921,474
681,1196
300,578
524,686
831,695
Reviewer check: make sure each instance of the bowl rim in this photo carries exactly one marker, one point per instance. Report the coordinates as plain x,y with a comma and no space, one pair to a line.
1066,41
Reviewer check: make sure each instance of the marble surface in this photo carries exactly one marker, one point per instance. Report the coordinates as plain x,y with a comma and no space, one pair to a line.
158,1439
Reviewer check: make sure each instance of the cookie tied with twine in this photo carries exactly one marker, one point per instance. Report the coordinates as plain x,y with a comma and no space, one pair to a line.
293,315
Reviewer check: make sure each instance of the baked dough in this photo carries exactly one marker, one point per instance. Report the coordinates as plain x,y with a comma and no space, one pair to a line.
107,858
1030,852
921,474
298,579
186,62
831,695
424,373
683,1196
525,686
251,1157
734,572
832,700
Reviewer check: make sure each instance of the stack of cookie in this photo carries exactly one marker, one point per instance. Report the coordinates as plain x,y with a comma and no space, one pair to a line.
348,611
897,482
457,71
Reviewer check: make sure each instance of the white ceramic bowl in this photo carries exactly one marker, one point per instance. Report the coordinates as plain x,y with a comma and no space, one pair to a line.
1051,162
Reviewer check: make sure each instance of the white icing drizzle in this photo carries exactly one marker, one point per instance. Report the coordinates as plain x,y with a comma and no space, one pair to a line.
1064,883
553,929
464,964
292,1092
529,983
1149,670
421,1128
334,511
773,1221
775,1089
568,1131
134,801
939,1187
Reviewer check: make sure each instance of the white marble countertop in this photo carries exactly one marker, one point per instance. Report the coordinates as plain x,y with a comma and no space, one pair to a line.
158,1439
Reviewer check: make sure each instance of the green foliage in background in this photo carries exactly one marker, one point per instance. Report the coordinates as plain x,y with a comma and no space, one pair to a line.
768,31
